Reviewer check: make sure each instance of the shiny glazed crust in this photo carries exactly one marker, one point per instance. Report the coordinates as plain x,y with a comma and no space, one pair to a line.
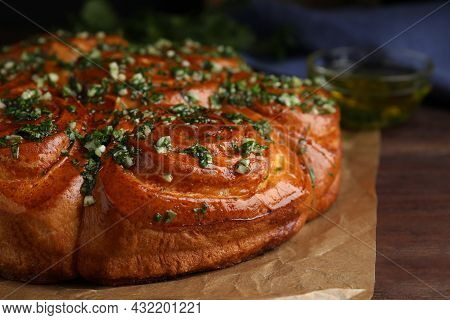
123,164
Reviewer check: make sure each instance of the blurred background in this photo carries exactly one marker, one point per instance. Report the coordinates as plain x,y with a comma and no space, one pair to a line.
274,30
274,36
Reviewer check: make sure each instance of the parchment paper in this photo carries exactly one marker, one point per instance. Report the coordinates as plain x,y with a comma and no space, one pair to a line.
332,257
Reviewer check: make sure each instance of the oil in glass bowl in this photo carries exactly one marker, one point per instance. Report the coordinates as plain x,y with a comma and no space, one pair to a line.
374,88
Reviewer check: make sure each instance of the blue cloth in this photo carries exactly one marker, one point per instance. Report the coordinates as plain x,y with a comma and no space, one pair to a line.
357,26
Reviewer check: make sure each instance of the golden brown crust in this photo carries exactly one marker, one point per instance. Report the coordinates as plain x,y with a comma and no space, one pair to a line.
135,251
39,227
184,159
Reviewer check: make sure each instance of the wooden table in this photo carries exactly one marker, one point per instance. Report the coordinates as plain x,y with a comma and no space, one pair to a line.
413,187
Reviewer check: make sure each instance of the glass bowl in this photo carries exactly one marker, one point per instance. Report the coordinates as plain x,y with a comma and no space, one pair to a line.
374,88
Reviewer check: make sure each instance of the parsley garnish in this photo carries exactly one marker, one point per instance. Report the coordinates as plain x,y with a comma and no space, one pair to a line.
163,145
89,175
288,99
156,97
201,212
13,142
242,166
303,146
72,108
201,153
97,140
236,93
144,130
180,73
237,118
24,107
71,133
263,127
124,154
312,175
72,89
96,92
37,132
190,114
168,216
250,146
158,217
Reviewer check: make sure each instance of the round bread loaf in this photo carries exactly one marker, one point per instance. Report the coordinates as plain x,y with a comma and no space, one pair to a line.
125,164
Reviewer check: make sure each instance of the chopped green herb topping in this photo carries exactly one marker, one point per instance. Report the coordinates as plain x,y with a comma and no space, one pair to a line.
71,133
124,155
237,118
244,93
303,146
250,146
156,97
33,61
190,114
191,97
88,201
72,89
140,88
13,142
167,177
96,92
163,145
183,110
201,153
180,73
89,175
168,119
135,82
119,135
312,175
144,130
242,166
263,127
212,66
37,132
72,109
237,93
169,216
201,212
283,82
96,141
75,162
289,99
26,107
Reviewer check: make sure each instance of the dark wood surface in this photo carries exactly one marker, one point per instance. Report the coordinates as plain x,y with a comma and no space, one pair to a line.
413,187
